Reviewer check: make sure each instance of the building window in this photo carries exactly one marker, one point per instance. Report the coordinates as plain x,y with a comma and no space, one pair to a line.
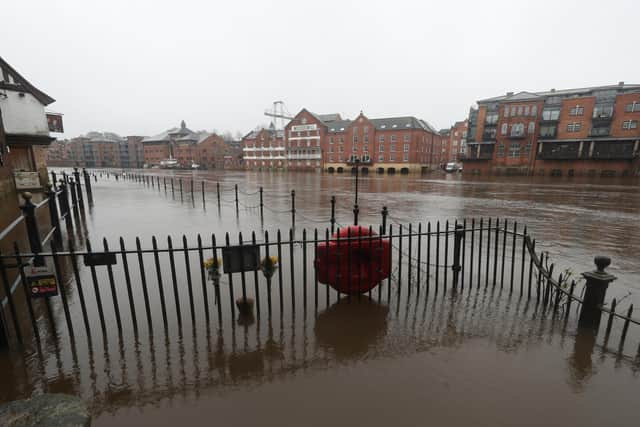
405,158
504,129
392,148
532,128
331,149
526,110
366,129
365,148
406,148
630,124
331,140
547,131
381,148
341,149
391,157
574,127
634,107
520,110
365,138
517,129
355,138
381,138
513,111
551,114
407,138
534,110
381,157
514,149
354,148
500,150
506,111
393,138
527,149
576,111
339,157
331,157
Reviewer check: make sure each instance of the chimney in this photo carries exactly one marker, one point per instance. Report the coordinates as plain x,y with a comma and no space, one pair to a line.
509,93
621,84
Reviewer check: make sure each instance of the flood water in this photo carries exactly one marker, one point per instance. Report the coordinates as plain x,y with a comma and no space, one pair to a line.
476,356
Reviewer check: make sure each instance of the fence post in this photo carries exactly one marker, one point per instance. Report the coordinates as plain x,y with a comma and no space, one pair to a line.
385,213
4,342
333,214
74,196
261,205
595,291
53,179
293,208
29,212
218,193
202,188
64,200
53,214
458,236
87,184
76,174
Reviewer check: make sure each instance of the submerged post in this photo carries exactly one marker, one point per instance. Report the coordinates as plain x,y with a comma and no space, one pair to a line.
333,213
457,267
385,213
595,291
76,175
261,205
293,208
64,201
74,196
236,188
218,193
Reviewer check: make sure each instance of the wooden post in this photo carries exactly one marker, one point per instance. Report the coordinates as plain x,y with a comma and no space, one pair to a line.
53,214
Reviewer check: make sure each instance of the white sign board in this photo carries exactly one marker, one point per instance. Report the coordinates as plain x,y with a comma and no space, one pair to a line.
302,128
27,180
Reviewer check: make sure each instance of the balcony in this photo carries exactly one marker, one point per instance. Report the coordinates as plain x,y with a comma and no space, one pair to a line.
548,134
602,118
616,150
560,151
517,134
601,131
489,136
472,155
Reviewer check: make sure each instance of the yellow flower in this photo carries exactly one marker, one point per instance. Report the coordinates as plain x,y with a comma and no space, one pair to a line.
211,263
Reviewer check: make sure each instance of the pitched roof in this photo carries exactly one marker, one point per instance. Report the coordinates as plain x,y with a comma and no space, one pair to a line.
563,92
326,118
103,137
17,79
338,126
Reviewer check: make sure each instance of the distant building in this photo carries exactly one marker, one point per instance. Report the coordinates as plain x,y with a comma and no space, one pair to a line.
98,150
24,137
590,131
328,142
454,141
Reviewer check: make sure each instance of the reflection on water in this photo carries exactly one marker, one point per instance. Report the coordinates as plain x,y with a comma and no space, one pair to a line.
351,327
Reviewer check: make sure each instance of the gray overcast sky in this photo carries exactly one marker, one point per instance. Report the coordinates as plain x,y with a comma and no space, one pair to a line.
139,67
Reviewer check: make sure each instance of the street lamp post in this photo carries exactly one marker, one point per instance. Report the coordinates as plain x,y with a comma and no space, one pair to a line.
356,162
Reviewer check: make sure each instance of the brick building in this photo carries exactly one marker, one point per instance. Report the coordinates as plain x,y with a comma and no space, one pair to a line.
454,141
329,142
263,149
97,149
587,131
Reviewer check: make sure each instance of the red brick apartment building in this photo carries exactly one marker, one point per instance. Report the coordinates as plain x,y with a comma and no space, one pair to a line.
454,141
329,142
590,131
207,150
97,149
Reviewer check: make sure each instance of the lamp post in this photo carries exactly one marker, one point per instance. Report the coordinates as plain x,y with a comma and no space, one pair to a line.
355,160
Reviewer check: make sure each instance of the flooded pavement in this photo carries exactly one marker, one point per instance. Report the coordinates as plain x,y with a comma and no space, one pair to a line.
405,355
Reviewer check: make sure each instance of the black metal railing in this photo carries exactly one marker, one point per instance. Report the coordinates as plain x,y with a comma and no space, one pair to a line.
560,151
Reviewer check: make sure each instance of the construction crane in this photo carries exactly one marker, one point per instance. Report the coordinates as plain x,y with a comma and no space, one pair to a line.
279,114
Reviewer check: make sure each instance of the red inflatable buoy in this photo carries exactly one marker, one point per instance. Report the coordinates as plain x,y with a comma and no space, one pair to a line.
354,261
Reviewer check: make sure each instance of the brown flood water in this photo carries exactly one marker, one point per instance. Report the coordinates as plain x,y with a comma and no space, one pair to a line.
476,357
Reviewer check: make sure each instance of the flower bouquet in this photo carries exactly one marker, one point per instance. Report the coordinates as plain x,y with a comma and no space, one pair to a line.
212,265
269,265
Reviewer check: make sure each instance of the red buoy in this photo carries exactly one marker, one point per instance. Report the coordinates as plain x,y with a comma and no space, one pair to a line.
354,261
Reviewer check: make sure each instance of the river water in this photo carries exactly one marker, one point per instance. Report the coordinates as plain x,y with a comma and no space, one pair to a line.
475,357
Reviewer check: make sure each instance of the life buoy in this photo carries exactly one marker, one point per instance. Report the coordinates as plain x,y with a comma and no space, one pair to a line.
354,261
